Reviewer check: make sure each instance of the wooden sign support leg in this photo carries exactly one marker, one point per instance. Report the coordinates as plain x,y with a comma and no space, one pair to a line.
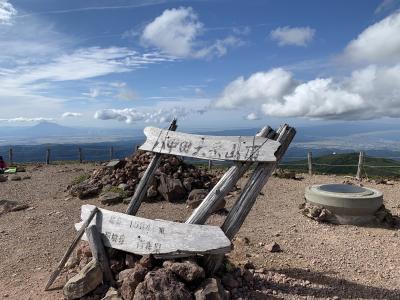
144,183
222,188
71,248
99,253
242,207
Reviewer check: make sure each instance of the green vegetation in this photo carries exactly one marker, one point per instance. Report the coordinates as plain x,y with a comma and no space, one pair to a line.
114,189
346,164
80,179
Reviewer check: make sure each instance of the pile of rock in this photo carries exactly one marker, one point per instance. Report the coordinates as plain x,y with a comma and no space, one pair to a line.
145,277
174,179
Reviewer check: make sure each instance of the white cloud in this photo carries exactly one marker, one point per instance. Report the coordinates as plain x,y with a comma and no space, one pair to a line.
386,5
126,94
369,93
7,11
258,88
252,117
176,32
219,47
293,36
379,43
71,115
159,114
26,120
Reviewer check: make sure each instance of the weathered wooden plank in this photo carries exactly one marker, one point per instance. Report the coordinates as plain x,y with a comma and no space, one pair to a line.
243,205
145,181
236,148
98,252
161,238
223,187
81,231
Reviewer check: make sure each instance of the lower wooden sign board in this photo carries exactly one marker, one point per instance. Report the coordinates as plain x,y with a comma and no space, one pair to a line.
161,238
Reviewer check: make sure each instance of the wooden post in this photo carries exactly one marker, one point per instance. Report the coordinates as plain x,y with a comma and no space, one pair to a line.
360,165
144,183
309,156
71,248
80,155
111,152
10,156
98,252
243,205
210,164
224,185
48,156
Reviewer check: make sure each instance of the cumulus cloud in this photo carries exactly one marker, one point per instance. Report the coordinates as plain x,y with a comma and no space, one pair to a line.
252,117
258,88
176,32
159,115
293,36
7,11
368,93
26,120
71,115
379,43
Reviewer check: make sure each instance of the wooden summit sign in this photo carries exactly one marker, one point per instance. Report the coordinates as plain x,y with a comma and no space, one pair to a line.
161,238
237,148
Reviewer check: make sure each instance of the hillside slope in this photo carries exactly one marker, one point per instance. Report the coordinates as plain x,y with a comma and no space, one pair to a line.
346,164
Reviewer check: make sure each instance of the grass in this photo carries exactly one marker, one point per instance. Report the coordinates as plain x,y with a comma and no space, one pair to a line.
114,189
346,164
79,179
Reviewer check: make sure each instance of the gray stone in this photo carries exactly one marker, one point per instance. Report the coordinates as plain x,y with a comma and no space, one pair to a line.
171,189
3,178
85,190
109,198
195,197
84,282
112,294
152,191
187,270
211,289
273,247
7,206
161,285
15,178
123,186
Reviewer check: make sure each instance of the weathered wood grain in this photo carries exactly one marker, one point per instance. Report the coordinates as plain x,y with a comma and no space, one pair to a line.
71,248
243,205
234,148
161,238
223,187
145,181
98,252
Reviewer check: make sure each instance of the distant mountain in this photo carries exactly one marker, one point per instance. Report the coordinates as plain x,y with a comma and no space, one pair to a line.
46,129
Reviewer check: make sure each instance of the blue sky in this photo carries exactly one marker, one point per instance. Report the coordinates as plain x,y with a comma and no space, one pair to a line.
213,64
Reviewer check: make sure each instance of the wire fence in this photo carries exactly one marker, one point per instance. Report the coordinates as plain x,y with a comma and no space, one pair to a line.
56,153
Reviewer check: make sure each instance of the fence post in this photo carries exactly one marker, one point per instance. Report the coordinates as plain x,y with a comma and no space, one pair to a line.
111,152
48,156
309,157
80,155
210,164
360,165
10,155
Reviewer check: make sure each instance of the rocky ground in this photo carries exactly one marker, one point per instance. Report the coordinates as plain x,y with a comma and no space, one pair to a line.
316,261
